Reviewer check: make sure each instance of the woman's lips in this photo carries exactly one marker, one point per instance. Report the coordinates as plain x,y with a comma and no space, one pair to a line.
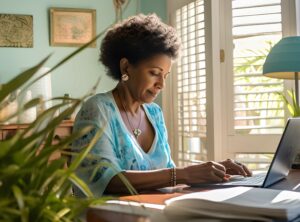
153,94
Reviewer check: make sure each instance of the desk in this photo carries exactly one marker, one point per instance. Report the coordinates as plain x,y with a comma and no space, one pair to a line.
63,130
126,213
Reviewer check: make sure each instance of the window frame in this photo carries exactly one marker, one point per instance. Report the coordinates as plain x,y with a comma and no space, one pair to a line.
221,139
235,143
213,95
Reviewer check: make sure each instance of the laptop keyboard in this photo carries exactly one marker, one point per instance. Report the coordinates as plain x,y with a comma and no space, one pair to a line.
256,179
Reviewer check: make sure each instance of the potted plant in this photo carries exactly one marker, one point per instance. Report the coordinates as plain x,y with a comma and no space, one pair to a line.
291,104
32,188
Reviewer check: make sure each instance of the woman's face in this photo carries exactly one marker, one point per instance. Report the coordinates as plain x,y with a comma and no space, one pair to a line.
147,78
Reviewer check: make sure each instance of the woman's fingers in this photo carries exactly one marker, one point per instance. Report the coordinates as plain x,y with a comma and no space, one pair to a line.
219,166
235,167
218,171
248,172
219,174
205,172
239,168
215,172
243,169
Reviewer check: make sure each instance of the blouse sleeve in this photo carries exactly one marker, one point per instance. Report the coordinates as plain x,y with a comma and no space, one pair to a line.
102,164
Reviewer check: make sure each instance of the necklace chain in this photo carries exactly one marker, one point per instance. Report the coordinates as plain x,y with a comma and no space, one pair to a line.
136,131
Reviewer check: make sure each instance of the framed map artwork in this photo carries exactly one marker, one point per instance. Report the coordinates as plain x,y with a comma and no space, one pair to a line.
72,27
16,30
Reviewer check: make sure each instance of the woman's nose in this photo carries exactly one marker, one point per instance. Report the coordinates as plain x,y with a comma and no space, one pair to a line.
160,83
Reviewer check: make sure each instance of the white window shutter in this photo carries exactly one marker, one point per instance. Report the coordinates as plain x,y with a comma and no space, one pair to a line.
191,83
256,27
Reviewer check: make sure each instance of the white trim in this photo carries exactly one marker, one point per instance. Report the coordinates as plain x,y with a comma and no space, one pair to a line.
248,143
290,23
169,98
222,142
226,76
288,18
213,80
297,6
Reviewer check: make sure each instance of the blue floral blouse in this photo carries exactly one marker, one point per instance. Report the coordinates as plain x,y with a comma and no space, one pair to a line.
117,145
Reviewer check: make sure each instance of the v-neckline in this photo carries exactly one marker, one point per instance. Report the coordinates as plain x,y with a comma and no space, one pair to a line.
127,130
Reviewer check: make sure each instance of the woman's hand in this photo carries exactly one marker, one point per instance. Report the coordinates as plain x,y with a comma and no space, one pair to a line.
204,173
235,168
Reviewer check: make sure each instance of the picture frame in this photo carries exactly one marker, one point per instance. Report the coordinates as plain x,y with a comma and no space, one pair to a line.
16,30
72,27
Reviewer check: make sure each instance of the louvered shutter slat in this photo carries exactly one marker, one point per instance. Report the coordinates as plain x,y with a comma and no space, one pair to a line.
191,82
258,108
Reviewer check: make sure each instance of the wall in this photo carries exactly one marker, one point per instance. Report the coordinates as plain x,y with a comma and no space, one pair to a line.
298,16
157,6
76,76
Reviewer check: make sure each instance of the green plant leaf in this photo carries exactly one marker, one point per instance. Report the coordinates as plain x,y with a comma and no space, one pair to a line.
81,185
62,213
32,188
19,197
292,107
64,60
76,162
7,145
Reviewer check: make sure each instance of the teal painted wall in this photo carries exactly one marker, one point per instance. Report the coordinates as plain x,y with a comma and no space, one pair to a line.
75,77
78,75
154,6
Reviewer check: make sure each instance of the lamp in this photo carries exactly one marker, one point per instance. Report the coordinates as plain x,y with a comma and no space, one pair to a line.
283,61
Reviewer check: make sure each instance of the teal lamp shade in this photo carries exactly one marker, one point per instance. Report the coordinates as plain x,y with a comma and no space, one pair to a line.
284,59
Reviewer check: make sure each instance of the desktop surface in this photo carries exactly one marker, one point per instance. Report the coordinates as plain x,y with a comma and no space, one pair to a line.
121,211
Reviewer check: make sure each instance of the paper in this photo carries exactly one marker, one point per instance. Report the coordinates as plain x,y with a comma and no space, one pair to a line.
239,202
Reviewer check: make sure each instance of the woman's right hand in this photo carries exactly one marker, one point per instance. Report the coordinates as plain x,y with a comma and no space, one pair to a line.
204,172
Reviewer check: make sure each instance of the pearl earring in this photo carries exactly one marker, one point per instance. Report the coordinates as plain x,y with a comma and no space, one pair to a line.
124,77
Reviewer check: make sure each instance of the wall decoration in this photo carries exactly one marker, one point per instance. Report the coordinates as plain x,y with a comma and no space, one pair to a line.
16,30
118,4
72,27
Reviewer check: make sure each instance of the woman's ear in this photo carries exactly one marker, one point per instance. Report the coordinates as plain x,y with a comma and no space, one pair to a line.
124,64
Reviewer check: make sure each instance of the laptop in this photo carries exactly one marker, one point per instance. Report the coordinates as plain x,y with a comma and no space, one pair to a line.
281,164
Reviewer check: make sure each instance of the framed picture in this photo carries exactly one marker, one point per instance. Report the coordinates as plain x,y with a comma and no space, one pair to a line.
16,30
72,27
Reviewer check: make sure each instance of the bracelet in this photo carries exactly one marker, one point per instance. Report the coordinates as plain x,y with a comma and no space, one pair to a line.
173,177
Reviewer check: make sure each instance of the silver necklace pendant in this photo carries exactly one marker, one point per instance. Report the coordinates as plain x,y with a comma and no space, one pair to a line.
137,132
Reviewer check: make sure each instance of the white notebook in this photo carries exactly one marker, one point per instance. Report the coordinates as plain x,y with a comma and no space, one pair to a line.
237,203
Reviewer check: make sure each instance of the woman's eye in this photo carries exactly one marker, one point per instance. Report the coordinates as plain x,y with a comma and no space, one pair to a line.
154,74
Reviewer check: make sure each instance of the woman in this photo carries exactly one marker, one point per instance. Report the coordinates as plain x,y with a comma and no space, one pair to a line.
138,53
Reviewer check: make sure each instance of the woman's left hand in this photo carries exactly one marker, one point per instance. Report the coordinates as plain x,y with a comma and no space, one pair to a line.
235,168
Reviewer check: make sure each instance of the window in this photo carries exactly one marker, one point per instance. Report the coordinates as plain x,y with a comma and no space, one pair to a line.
256,114
256,27
243,113
191,83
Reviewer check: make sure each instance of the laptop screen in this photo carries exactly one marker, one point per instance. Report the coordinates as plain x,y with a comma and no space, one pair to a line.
288,146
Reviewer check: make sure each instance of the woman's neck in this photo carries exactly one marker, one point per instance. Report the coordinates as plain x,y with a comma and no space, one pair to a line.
126,99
